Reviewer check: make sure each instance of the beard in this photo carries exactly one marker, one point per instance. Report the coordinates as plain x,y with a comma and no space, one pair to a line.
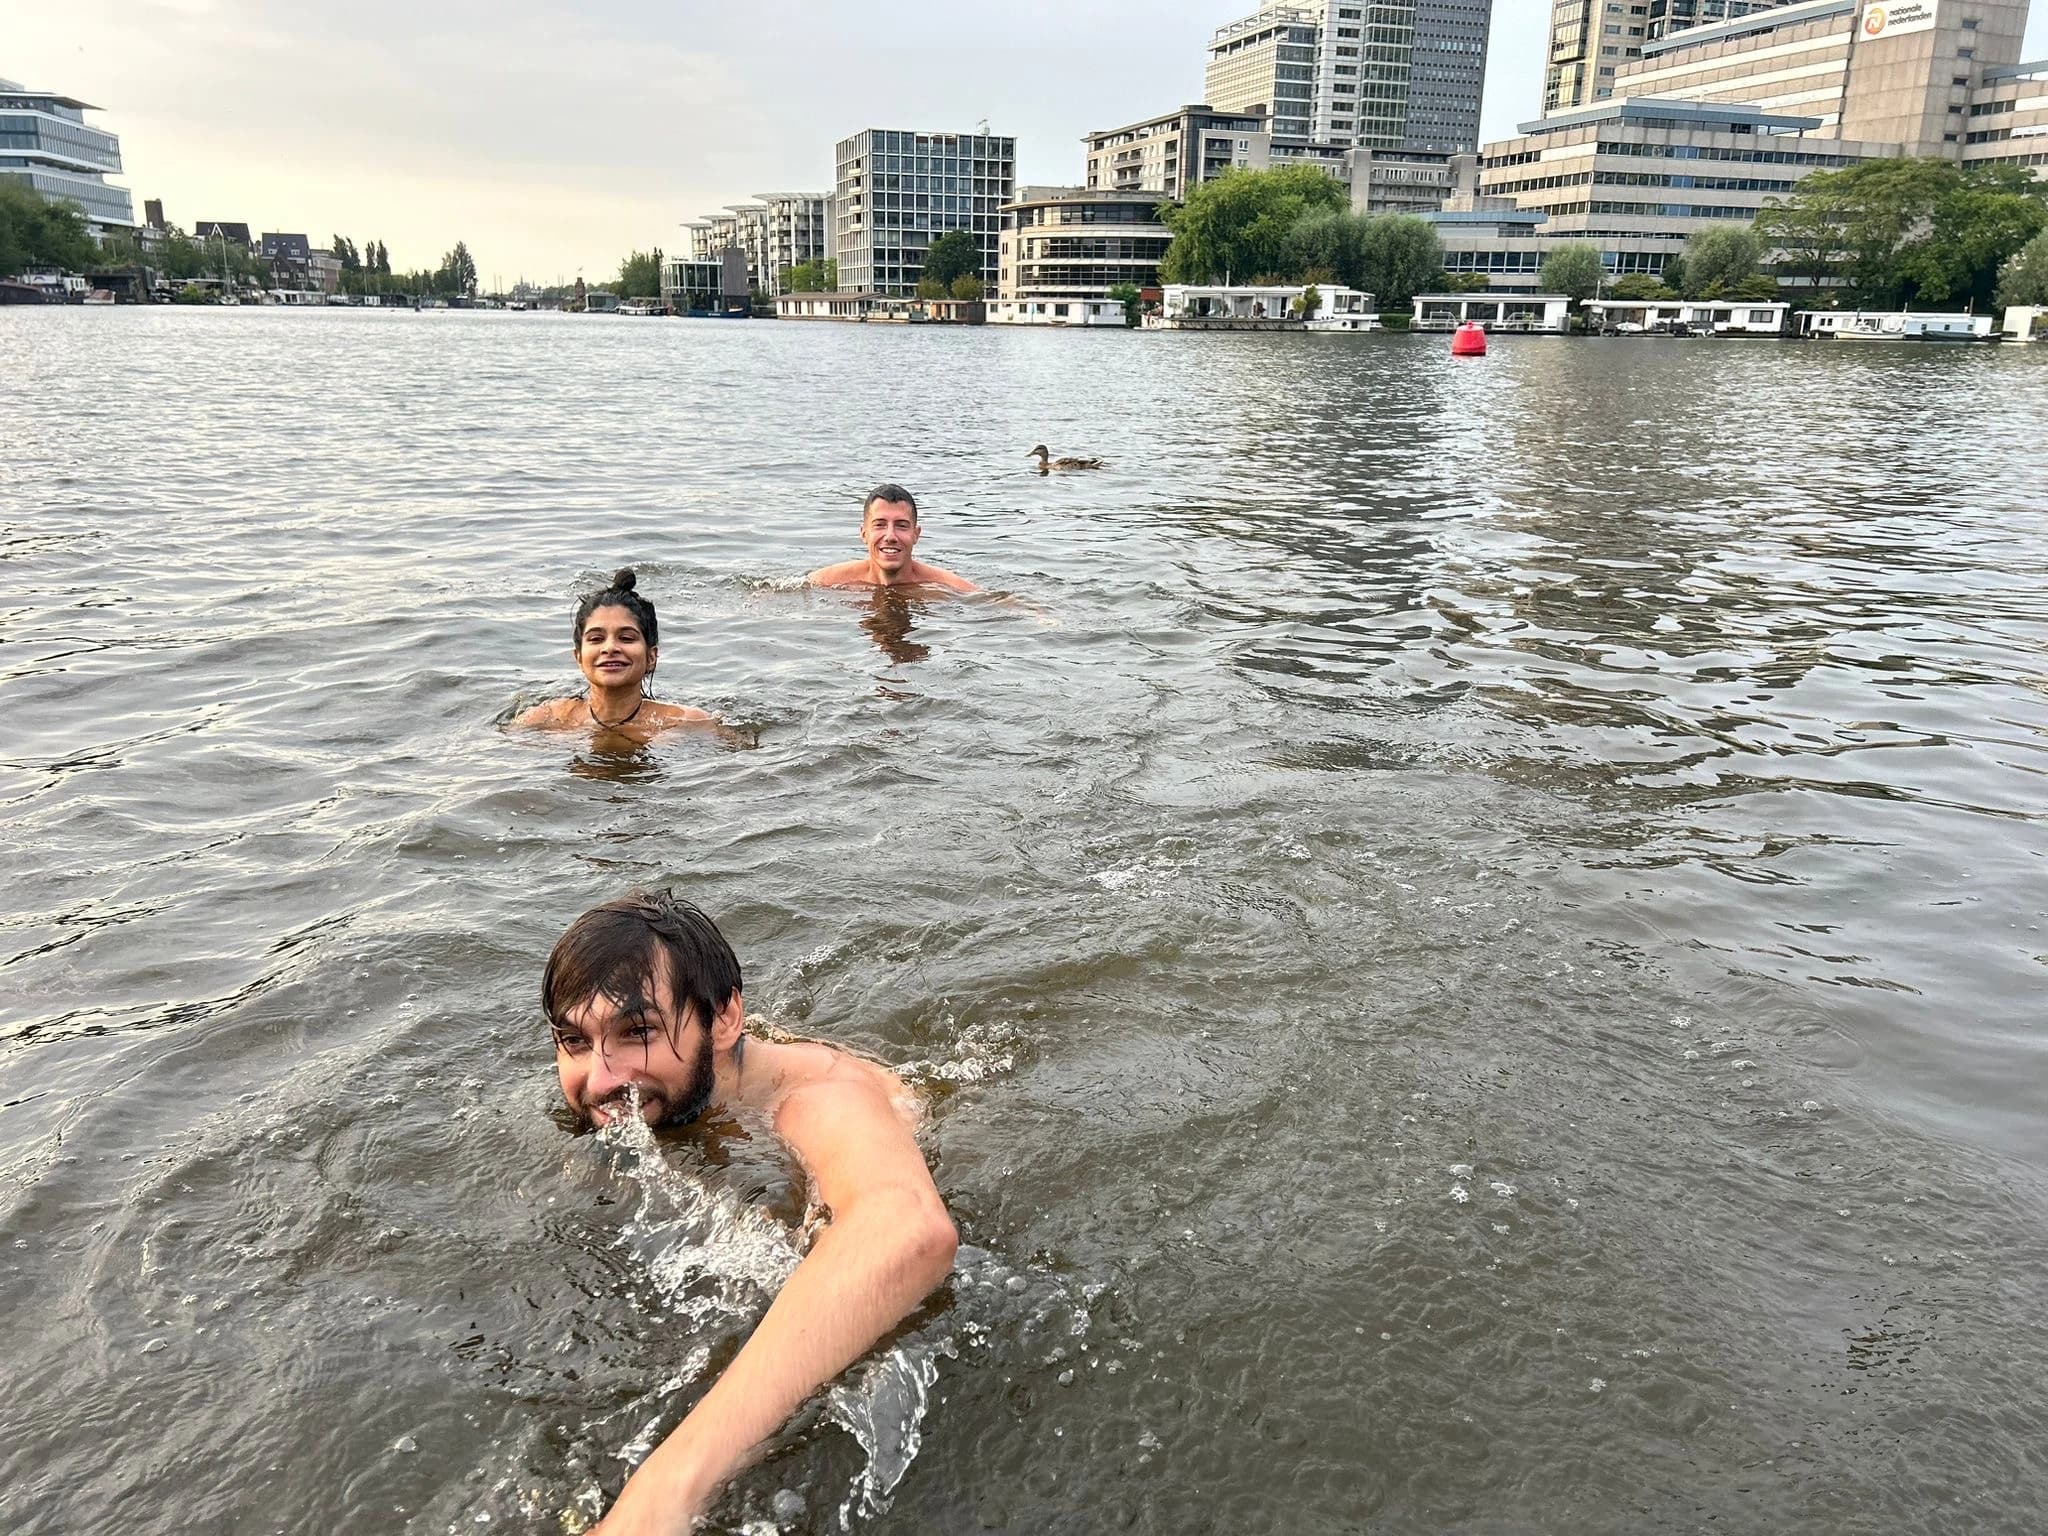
679,1109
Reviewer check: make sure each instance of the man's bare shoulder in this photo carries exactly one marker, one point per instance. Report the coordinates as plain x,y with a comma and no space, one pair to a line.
848,573
939,576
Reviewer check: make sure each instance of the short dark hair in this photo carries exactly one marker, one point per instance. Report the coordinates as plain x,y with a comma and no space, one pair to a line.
609,951
889,491
619,594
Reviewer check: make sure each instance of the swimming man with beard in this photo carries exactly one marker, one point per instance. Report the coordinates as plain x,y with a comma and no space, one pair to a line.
888,526
643,995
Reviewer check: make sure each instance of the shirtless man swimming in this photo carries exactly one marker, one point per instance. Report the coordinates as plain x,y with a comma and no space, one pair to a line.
643,995
888,526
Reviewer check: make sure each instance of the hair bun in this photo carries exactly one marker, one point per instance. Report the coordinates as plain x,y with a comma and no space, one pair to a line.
624,580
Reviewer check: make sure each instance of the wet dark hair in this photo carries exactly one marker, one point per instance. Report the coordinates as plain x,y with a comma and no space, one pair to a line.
619,594
609,951
888,490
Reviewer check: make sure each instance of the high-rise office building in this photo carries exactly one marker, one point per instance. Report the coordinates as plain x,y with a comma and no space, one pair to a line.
898,190
44,141
1380,74
1447,74
1593,41
1668,16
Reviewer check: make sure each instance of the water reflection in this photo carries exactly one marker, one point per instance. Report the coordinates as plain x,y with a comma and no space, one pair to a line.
889,620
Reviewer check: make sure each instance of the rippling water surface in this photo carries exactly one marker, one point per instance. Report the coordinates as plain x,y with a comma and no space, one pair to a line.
1475,934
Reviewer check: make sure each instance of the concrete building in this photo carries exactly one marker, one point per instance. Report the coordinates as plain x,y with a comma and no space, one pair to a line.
896,190
1171,155
1902,74
2007,122
44,141
1447,74
1593,41
1075,243
1379,73
795,230
1636,177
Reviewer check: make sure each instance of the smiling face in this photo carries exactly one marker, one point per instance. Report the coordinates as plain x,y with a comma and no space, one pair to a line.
612,649
606,1048
889,529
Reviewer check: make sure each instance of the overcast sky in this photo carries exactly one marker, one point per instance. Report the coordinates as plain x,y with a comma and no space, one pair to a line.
555,138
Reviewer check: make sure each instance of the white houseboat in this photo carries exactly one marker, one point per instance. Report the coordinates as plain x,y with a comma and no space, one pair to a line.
1535,314
1085,312
1888,325
1680,317
1262,307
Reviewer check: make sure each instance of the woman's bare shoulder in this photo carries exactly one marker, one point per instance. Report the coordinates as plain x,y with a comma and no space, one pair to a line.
553,715
678,714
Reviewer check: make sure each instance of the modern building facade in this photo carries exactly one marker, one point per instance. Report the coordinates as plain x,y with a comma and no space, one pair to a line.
896,190
2007,123
1592,42
1378,73
1078,243
1858,66
1447,74
45,142
1174,153
775,232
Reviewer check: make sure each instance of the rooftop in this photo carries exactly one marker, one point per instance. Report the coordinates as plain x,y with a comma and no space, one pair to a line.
1702,114
1761,21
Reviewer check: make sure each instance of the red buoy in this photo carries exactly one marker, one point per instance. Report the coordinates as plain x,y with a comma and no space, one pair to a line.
1469,340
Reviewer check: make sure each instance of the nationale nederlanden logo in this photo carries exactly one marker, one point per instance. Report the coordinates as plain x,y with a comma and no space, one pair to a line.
1874,20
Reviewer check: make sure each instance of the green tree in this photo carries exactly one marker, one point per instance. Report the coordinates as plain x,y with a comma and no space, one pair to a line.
1309,302
639,276
1398,257
953,254
1240,223
801,278
1324,242
1127,294
1718,258
1639,288
1895,232
967,286
930,288
456,276
1574,270
2024,277
37,232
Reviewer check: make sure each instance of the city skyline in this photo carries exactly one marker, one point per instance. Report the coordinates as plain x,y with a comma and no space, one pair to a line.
554,142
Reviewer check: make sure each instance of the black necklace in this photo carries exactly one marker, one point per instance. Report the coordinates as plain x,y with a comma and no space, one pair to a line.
613,725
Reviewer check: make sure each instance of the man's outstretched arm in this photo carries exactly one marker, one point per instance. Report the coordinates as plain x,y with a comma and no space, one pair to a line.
887,1247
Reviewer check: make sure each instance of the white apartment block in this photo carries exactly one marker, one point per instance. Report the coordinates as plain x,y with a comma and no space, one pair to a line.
775,232
1383,74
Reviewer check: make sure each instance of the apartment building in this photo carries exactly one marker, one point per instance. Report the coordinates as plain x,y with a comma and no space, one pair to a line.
44,141
1383,74
1067,243
774,232
896,190
1174,153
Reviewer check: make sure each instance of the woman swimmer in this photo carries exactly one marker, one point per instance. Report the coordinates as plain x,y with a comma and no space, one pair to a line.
617,643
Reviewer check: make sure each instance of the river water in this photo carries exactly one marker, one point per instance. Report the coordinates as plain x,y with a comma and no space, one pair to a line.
1474,931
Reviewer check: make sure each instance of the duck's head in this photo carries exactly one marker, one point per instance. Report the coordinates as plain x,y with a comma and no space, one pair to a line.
1038,452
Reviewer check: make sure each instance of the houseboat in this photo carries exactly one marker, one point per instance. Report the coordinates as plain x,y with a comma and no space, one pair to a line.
1900,325
1531,314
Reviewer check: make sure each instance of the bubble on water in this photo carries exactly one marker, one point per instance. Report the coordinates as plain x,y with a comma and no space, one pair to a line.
1692,1056
1460,1170
1501,1227
154,1346
1596,1385
405,1444
1811,1106
1459,1193
1505,1191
